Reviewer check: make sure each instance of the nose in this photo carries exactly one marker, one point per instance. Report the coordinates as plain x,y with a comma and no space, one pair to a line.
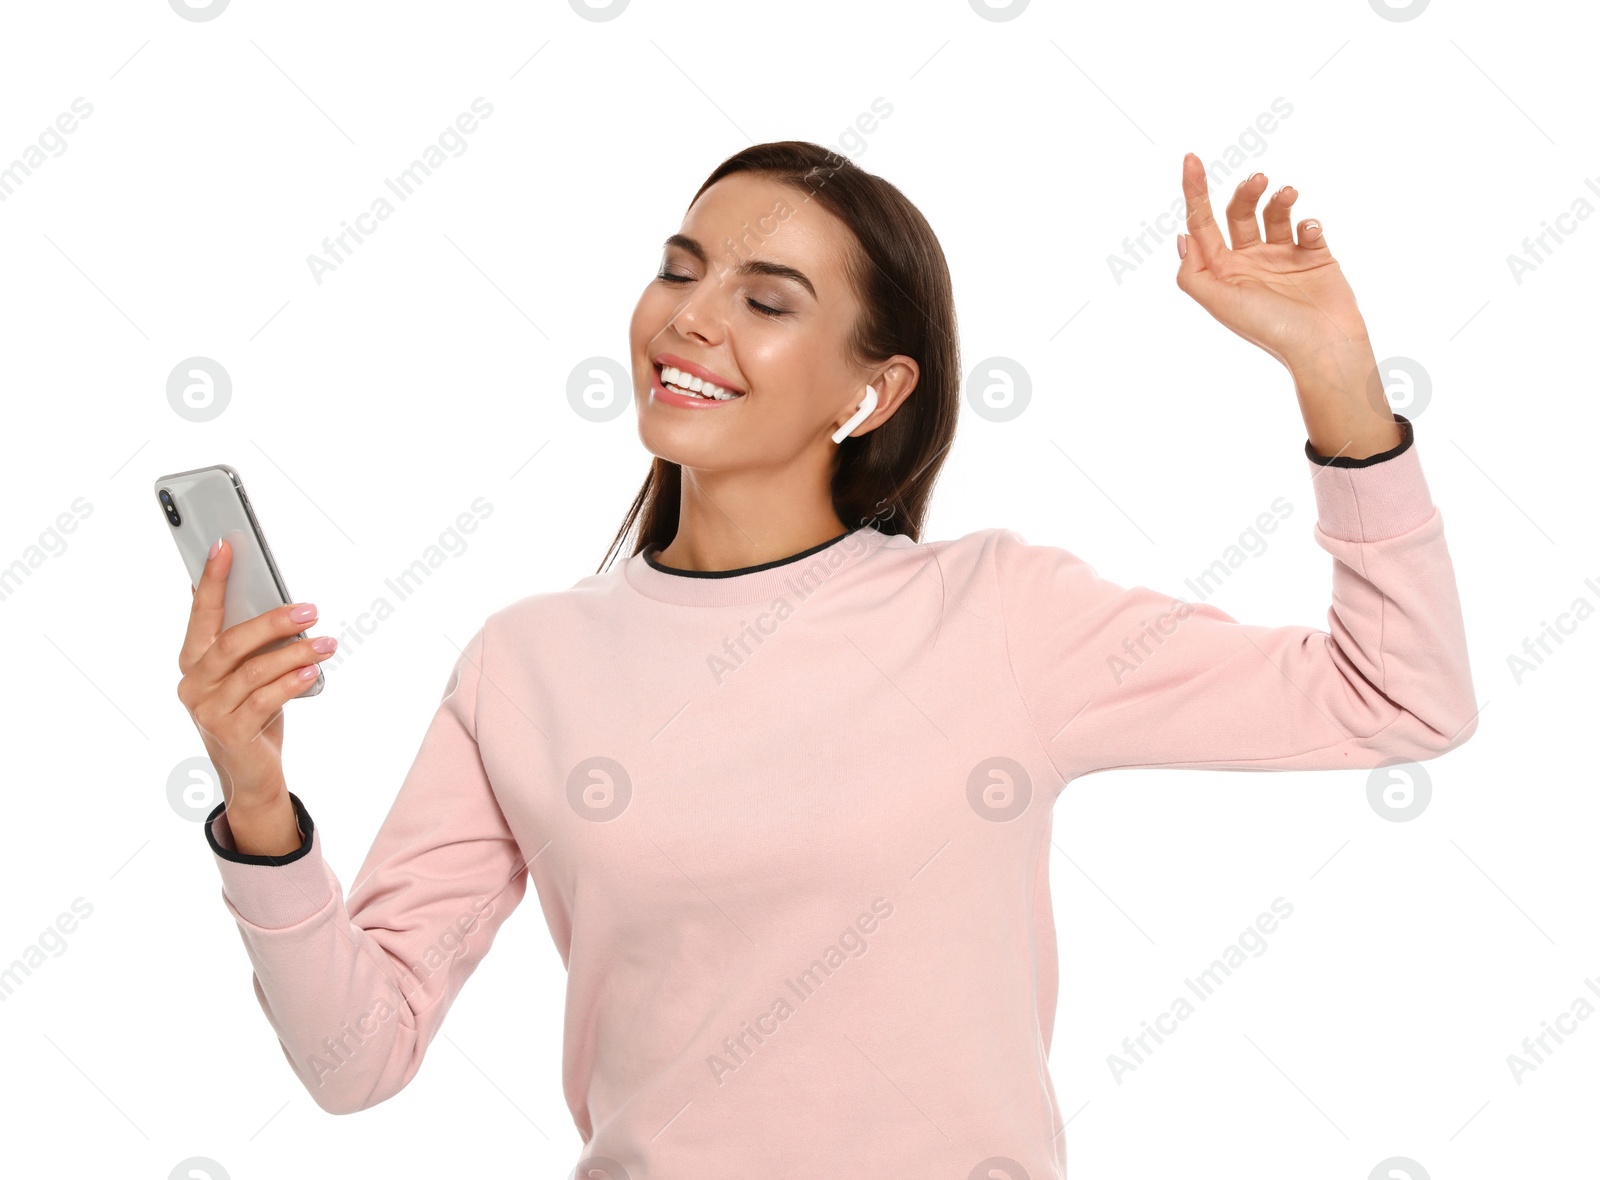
700,313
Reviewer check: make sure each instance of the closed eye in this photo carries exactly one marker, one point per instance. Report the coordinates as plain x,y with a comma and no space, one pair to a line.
667,276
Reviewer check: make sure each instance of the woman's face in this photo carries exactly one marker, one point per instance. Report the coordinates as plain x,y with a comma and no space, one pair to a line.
752,290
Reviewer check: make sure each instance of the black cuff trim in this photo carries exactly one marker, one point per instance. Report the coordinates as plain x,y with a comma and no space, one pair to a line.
1347,461
301,815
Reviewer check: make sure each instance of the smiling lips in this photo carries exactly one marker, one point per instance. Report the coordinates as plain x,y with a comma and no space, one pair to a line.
681,382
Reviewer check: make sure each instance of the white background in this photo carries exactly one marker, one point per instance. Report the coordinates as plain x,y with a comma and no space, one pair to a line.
430,369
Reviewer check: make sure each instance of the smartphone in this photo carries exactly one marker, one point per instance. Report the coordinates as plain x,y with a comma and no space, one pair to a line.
210,502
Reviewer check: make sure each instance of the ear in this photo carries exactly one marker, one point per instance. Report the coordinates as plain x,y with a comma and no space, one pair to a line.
895,381
869,403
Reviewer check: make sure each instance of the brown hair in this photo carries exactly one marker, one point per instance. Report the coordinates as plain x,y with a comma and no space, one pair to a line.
885,477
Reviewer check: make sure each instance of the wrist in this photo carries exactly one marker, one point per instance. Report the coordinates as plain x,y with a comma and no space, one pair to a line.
267,827
1347,412
1351,431
1341,361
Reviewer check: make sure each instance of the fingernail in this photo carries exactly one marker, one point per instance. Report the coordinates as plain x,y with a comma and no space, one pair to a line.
1312,227
1183,245
303,614
324,643
216,548
1251,179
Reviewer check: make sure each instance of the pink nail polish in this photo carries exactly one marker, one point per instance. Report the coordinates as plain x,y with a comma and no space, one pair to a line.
216,548
303,614
1183,245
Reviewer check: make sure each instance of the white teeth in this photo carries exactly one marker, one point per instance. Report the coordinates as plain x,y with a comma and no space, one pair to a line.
682,382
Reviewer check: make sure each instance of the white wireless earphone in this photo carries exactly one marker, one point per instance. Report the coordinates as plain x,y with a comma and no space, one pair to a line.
868,404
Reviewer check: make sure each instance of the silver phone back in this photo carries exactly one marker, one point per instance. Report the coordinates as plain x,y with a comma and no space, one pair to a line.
211,503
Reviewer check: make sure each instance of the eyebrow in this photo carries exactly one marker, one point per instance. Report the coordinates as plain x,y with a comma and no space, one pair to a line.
750,266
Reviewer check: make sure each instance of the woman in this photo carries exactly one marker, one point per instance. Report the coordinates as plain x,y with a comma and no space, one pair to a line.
783,777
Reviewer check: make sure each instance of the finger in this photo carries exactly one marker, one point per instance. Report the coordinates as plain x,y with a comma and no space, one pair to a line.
237,644
256,712
1242,228
1311,235
1203,227
1276,216
205,609
1194,280
276,668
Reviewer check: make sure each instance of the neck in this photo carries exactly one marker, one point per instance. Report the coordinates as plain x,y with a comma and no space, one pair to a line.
743,516
792,578
726,545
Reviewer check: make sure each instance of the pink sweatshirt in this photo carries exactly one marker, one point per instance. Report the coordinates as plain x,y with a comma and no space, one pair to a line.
790,827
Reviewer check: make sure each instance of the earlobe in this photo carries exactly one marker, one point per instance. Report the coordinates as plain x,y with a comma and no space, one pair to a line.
868,404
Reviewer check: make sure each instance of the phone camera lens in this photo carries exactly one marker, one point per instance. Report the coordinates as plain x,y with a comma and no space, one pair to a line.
171,508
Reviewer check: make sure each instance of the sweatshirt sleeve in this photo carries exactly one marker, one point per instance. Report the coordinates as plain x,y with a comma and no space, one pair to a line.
357,988
1125,677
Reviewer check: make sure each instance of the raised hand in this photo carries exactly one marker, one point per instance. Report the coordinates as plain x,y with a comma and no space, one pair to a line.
234,688
1287,295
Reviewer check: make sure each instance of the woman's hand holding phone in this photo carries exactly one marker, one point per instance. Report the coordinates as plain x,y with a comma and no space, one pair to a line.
235,694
